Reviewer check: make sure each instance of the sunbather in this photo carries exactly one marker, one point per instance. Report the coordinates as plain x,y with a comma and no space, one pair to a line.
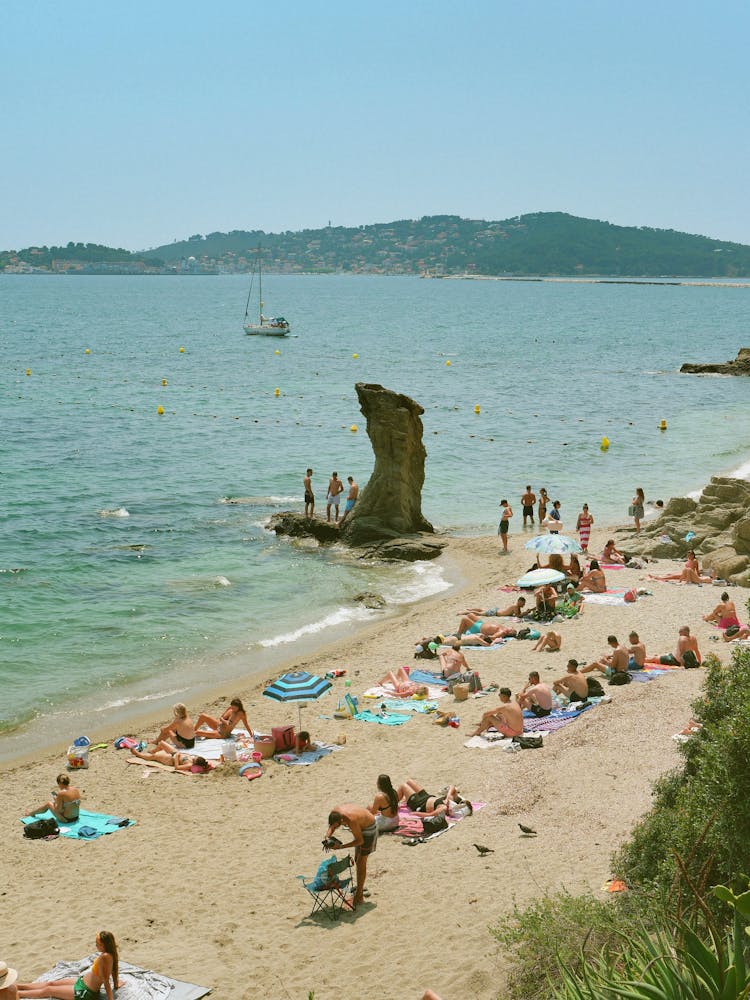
402,683
65,803
472,615
733,632
180,729
535,696
573,684
166,754
103,972
418,800
724,614
452,661
385,805
611,663
551,641
593,581
507,717
686,655
572,602
611,555
691,572
220,729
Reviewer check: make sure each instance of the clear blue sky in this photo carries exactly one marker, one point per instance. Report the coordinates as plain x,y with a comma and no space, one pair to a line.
136,124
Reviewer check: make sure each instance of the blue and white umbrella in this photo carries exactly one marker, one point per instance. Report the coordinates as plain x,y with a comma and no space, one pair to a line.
538,577
298,686
561,544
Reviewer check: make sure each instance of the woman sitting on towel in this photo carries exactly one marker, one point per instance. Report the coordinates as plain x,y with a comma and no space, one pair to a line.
385,805
573,570
180,730
418,800
167,755
593,581
65,804
724,614
104,972
220,729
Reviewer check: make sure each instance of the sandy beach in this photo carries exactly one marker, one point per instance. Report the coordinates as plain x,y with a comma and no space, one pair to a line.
203,888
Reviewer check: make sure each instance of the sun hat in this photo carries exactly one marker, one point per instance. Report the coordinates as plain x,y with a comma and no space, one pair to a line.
8,976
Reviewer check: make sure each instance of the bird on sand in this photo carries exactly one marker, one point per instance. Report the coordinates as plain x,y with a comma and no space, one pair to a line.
527,830
484,850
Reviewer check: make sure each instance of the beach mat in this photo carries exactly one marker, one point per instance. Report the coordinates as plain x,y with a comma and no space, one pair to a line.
99,822
138,983
428,677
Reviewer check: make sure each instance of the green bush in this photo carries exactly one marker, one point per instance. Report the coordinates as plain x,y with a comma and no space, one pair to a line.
701,812
558,928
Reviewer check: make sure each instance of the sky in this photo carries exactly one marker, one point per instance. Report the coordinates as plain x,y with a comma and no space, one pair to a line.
137,124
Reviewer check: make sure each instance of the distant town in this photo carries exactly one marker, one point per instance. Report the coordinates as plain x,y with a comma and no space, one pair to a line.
543,244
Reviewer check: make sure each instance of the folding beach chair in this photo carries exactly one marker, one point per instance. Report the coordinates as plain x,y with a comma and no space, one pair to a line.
328,888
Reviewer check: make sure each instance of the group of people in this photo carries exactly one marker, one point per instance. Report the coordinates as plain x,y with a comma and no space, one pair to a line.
333,497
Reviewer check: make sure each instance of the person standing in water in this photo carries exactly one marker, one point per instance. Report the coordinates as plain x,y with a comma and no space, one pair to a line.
527,502
309,495
543,500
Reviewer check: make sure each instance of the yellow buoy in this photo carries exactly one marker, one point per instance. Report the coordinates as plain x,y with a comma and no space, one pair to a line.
355,356
160,410
605,443
477,409
182,350
448,363
277,351
28,371
353,428
163,381
277,392
663,425
87,351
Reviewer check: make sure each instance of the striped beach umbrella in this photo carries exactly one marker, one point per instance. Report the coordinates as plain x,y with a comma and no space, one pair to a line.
561,544
298,686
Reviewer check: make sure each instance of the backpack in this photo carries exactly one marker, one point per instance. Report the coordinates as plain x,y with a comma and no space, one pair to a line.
595,690
41,828
433,824
423,652
529,742
620,678
474,682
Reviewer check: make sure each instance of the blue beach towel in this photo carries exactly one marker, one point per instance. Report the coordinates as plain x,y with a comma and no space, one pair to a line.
384,720
98,824
427,677
308,757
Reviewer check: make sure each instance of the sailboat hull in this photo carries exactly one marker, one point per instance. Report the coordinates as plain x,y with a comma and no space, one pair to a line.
266,330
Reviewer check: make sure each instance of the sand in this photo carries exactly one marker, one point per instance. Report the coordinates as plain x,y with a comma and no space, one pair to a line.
203,888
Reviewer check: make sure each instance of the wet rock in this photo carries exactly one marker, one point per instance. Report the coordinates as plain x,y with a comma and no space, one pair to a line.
405,549
740,366
370,600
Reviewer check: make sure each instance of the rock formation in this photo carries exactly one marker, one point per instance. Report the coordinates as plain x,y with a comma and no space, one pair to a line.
387,521
740,366
720,521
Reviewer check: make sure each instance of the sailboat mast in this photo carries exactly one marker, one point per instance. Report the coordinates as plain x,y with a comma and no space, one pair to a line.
260,283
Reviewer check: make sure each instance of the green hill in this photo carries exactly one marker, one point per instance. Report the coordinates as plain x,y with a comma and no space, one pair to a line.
544,243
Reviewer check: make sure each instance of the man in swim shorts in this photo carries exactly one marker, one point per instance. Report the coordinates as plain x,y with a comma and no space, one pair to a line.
573,684
614,662
333,497
351,499
535,696
637,651
506,718
527,502
309,495
364,830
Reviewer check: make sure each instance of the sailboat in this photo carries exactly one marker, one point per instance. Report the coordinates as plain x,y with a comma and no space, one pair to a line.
267,326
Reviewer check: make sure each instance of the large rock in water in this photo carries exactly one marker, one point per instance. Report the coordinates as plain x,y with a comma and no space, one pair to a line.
740,366
719,521
390,505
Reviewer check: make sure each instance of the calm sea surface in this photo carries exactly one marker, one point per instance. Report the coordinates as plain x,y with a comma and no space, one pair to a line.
125,576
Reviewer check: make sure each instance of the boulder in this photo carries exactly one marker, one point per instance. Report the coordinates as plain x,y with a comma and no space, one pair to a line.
405,549
390,505
741,535
725,562
369,600
296,525
740,366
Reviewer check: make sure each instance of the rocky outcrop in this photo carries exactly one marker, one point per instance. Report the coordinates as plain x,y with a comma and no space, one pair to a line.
740,366
387,521
719,522
370,600
390,505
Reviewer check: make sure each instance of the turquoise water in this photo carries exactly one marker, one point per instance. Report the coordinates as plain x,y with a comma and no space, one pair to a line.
124,574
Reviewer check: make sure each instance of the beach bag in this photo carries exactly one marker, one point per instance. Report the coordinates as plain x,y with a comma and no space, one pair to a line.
433,824
731,630
40,829
475,683
630,596
595,690
631,511
283,738
620,678
78,757
529,742
460,692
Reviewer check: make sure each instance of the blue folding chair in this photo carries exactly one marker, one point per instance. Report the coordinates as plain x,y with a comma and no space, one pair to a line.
329,886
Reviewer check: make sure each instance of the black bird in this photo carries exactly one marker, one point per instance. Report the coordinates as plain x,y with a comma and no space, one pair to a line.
527,830
484,850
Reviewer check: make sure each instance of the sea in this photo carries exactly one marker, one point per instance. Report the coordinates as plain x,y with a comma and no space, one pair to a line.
136,566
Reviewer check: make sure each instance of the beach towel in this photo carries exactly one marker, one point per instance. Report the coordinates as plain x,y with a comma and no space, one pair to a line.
386,691
558,719
498,644
410,824
488,741
99,823
384,720
611,566
213,749
155,765
308,757
611,598
138,984
422,707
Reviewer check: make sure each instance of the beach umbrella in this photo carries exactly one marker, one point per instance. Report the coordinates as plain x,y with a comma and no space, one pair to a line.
548,544
538,577
298,686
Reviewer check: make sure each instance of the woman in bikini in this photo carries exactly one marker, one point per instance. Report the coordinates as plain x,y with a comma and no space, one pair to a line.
418,800
220,729
594,580
180,729
65,803
385,805
167,755
724,614
691,572
403,685
104,972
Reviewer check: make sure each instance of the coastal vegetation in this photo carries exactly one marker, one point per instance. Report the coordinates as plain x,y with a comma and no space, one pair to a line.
537,244
679,919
